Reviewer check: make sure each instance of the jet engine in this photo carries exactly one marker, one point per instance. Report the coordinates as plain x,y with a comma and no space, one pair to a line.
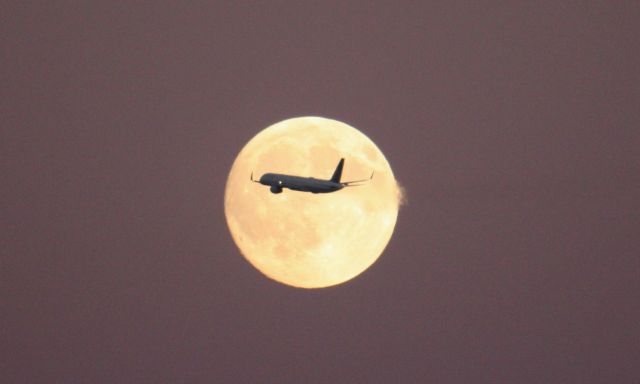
275,189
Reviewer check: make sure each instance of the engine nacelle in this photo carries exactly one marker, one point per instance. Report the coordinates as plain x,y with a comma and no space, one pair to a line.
276,189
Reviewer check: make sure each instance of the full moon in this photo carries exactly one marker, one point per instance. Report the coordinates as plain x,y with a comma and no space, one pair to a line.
311,240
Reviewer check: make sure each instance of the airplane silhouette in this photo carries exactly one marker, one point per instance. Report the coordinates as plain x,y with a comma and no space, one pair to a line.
308,184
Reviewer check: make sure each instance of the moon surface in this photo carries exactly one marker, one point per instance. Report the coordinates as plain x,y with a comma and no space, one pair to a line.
311,240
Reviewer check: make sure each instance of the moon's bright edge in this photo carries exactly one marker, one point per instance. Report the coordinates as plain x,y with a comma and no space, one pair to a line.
311,240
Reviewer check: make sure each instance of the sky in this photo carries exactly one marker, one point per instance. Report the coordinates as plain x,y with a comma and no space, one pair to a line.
513,127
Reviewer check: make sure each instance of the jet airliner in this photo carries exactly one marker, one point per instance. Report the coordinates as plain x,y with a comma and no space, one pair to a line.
277,182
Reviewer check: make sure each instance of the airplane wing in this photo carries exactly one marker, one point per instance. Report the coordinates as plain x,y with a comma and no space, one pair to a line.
353,183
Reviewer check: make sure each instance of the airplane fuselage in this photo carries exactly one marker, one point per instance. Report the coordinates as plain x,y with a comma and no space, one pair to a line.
305,184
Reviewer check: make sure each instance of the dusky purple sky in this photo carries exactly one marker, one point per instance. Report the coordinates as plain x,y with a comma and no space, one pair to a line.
513,126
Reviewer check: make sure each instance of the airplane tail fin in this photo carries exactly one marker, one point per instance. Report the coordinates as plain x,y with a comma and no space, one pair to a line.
337,174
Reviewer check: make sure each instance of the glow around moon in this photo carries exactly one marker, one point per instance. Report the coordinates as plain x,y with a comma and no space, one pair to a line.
311,240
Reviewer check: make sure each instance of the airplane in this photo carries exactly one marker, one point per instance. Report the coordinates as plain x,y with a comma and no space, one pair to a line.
308,184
